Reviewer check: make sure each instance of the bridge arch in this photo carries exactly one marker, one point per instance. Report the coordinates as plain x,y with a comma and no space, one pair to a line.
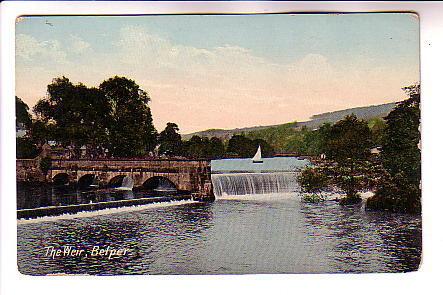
120,181
160,184
60,179
87,180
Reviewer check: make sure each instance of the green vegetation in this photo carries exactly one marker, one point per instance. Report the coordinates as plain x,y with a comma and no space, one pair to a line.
114,120
244,147
400,189
22,115
347,145
131,129
170,140
202,147
313,182
394,174
113,117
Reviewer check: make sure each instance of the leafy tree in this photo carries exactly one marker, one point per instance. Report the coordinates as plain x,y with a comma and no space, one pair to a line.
241,146
246,148
348,141
170,140
22,115
400,189
217,148
400,149
347,144
377,127
26,149
198,147
312,180
72,115
131,131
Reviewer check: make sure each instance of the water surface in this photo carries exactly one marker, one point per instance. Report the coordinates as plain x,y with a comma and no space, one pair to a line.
273,234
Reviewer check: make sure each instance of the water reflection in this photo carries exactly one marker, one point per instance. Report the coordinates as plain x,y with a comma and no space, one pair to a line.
229,236
29,196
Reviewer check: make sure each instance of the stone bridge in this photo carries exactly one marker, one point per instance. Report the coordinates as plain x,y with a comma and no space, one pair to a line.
193,176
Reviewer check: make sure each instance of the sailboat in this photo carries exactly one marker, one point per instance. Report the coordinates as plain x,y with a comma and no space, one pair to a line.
257,158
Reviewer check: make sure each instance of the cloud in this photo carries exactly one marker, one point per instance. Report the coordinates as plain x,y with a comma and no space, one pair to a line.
28,48
78,45
221,87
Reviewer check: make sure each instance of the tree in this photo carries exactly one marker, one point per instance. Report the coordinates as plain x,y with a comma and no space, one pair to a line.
400,148
198,147
22,115
241,146
348,141
347,144
131,131
217,149
400,189
377,127
170,140
73,115
26,149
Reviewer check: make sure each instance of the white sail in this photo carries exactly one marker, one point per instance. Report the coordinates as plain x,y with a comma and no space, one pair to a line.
257,158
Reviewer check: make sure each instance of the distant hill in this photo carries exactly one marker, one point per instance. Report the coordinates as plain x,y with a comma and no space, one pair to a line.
369,112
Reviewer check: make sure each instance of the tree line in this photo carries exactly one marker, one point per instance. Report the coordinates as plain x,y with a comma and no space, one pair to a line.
113,120
394,175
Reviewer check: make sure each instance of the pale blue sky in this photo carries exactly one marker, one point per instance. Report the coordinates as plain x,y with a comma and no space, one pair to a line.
330,56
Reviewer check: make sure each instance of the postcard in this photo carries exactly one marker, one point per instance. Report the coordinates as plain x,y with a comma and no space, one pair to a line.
218,144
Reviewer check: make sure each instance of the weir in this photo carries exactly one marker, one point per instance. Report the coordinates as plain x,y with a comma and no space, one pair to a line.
252,177
254,183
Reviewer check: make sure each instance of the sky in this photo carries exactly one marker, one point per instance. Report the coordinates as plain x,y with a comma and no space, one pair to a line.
227,71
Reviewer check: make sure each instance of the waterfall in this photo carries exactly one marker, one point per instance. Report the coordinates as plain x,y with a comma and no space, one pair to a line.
127,183
254,183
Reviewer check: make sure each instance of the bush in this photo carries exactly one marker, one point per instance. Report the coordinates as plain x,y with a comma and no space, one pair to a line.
396,194
26,149
312,180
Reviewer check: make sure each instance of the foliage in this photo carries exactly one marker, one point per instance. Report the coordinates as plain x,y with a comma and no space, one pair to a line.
348,141
400,189
198,147
114,116
396,194
22,115
400,149
170,140
377,127
278,136
131,131
313,198
245,147
312,180
72,115
26,149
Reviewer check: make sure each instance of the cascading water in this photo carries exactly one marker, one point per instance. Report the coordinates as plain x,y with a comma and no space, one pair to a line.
127,183
254,183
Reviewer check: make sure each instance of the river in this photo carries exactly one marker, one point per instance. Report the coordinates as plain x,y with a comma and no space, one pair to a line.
274,233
